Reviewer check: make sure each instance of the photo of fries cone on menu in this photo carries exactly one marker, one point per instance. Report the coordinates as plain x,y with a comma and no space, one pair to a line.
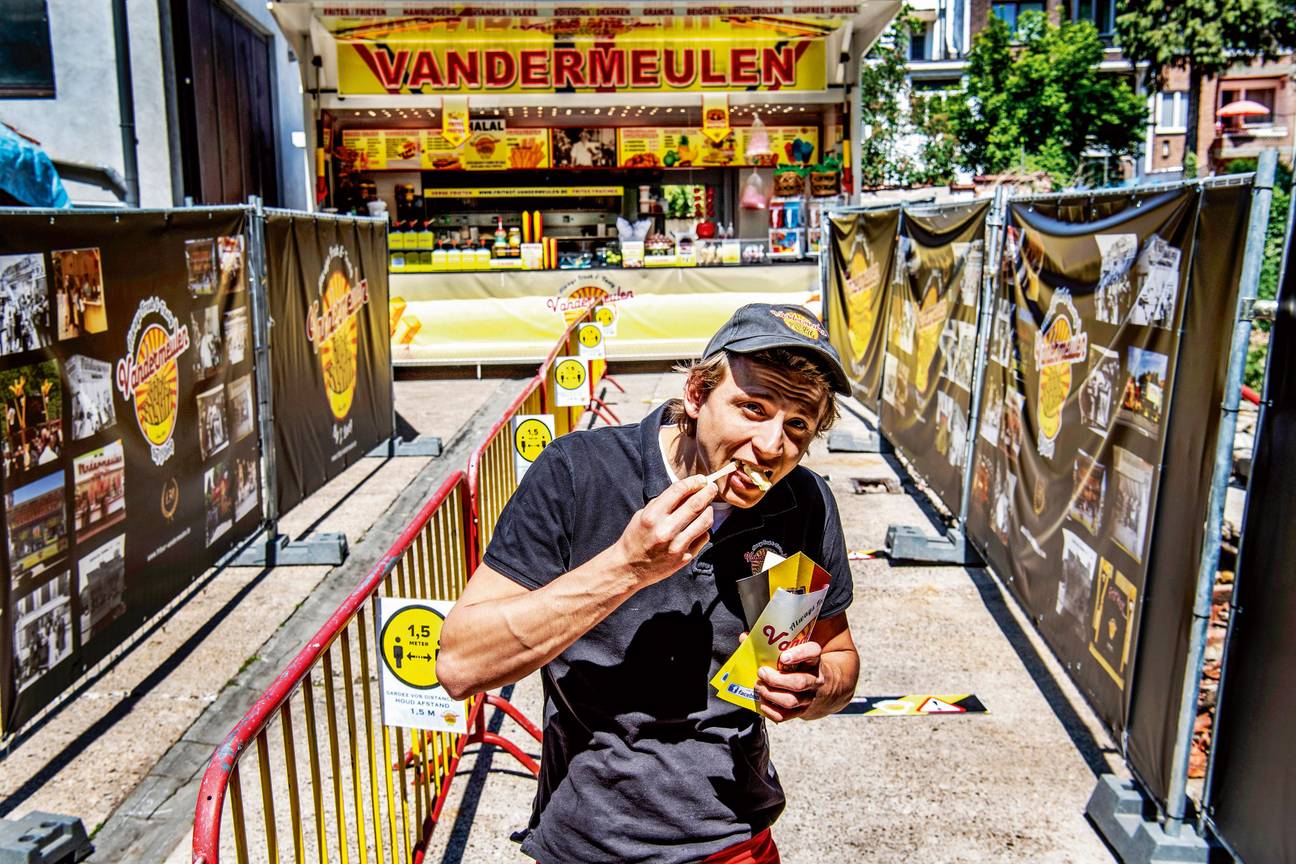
780,606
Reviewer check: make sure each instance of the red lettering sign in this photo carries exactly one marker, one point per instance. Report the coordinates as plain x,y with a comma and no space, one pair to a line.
778,66
711,77
425,71
462,70
535,67
388,69
607,68
742,66
675,75
501,69
568,68
645,67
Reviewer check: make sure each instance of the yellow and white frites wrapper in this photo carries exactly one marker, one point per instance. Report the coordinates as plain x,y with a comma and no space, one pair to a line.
798,587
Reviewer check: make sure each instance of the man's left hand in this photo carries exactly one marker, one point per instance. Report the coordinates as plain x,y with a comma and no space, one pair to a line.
785,693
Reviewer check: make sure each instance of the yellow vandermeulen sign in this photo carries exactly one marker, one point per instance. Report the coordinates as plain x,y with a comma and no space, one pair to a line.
665,57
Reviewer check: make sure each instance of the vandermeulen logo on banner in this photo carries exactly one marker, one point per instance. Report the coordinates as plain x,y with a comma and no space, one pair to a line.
333,330
149,374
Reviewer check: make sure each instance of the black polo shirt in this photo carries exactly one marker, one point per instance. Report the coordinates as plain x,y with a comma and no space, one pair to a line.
641,761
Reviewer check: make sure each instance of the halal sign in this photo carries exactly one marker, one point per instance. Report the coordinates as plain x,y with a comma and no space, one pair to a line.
333,330
149,375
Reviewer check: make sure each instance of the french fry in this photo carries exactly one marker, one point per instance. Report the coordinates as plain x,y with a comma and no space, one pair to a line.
723,472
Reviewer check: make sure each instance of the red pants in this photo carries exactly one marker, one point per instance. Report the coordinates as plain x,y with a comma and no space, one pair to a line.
758,850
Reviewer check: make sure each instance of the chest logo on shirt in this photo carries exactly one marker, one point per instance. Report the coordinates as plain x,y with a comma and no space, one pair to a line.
756,557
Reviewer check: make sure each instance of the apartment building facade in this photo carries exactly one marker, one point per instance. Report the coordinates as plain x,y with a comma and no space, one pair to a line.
938,57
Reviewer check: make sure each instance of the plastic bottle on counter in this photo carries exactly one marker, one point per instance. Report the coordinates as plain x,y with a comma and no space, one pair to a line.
483,255
426,239
454,257
437,259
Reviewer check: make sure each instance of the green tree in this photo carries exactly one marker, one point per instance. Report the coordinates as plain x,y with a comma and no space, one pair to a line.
883,82
1203,36
1275,239
1037,100
893,115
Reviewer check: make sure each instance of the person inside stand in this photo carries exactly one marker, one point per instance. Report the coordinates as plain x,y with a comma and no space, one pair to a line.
584,151
612,570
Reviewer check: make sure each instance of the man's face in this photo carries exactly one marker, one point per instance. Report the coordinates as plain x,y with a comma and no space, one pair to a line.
759,415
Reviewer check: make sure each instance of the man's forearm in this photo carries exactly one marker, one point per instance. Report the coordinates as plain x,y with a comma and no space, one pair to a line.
494,642
840,670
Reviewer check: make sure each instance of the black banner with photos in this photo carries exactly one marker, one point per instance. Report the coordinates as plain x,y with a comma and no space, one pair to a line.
331,342
931,341
1180,523
858,294
1068,455
1251,796
127,432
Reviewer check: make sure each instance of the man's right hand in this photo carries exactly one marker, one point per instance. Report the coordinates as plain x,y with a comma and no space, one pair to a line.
669,530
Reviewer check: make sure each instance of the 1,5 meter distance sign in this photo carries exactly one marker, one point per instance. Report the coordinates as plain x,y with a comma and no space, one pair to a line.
409,639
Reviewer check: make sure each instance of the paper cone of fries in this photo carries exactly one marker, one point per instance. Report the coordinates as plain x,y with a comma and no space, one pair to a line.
786,597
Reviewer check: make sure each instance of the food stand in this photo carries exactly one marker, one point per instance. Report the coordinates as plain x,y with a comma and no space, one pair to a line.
671,161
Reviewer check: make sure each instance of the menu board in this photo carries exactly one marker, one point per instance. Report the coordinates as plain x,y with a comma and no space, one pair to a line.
655,147
493,149
486,151
383,149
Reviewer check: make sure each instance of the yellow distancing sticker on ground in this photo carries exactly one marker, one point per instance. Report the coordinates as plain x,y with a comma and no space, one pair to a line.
916,705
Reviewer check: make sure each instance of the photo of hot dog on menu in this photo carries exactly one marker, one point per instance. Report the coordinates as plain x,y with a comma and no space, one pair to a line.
789,592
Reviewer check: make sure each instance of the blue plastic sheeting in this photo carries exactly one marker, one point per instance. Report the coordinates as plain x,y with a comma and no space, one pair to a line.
27,173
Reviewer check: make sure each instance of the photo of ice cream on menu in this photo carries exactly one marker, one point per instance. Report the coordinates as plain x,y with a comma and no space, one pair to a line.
785,599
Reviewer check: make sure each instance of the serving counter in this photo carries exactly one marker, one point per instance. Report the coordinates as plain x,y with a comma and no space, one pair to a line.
515,316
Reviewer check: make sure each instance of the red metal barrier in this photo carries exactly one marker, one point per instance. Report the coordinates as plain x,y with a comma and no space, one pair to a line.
432,558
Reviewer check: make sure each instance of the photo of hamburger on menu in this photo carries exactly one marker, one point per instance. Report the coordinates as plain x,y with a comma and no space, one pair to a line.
780,607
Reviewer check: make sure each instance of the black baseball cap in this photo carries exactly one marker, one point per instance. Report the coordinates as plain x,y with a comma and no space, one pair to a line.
758,326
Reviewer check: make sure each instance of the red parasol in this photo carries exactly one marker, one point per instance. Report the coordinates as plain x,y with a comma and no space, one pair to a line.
1242,108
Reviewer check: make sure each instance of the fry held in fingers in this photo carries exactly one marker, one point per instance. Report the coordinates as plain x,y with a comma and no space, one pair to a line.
723,472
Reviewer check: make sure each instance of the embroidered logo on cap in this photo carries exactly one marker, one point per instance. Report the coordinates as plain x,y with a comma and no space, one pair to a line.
800,323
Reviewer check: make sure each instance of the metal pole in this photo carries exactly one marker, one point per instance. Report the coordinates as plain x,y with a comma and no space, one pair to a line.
1253,257
261,324
126,103
1269,314
985,323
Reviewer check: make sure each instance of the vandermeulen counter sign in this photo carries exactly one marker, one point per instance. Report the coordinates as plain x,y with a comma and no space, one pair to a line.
409,639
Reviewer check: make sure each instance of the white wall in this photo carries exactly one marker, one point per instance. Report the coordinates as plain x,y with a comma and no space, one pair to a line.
82,123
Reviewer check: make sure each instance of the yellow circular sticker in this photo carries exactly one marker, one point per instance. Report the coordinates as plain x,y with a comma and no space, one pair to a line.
157,396
590,335
1054,382
530,438
410,641
604,315
570,374
338,349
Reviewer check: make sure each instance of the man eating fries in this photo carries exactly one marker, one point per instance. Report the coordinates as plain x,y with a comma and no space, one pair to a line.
612,570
